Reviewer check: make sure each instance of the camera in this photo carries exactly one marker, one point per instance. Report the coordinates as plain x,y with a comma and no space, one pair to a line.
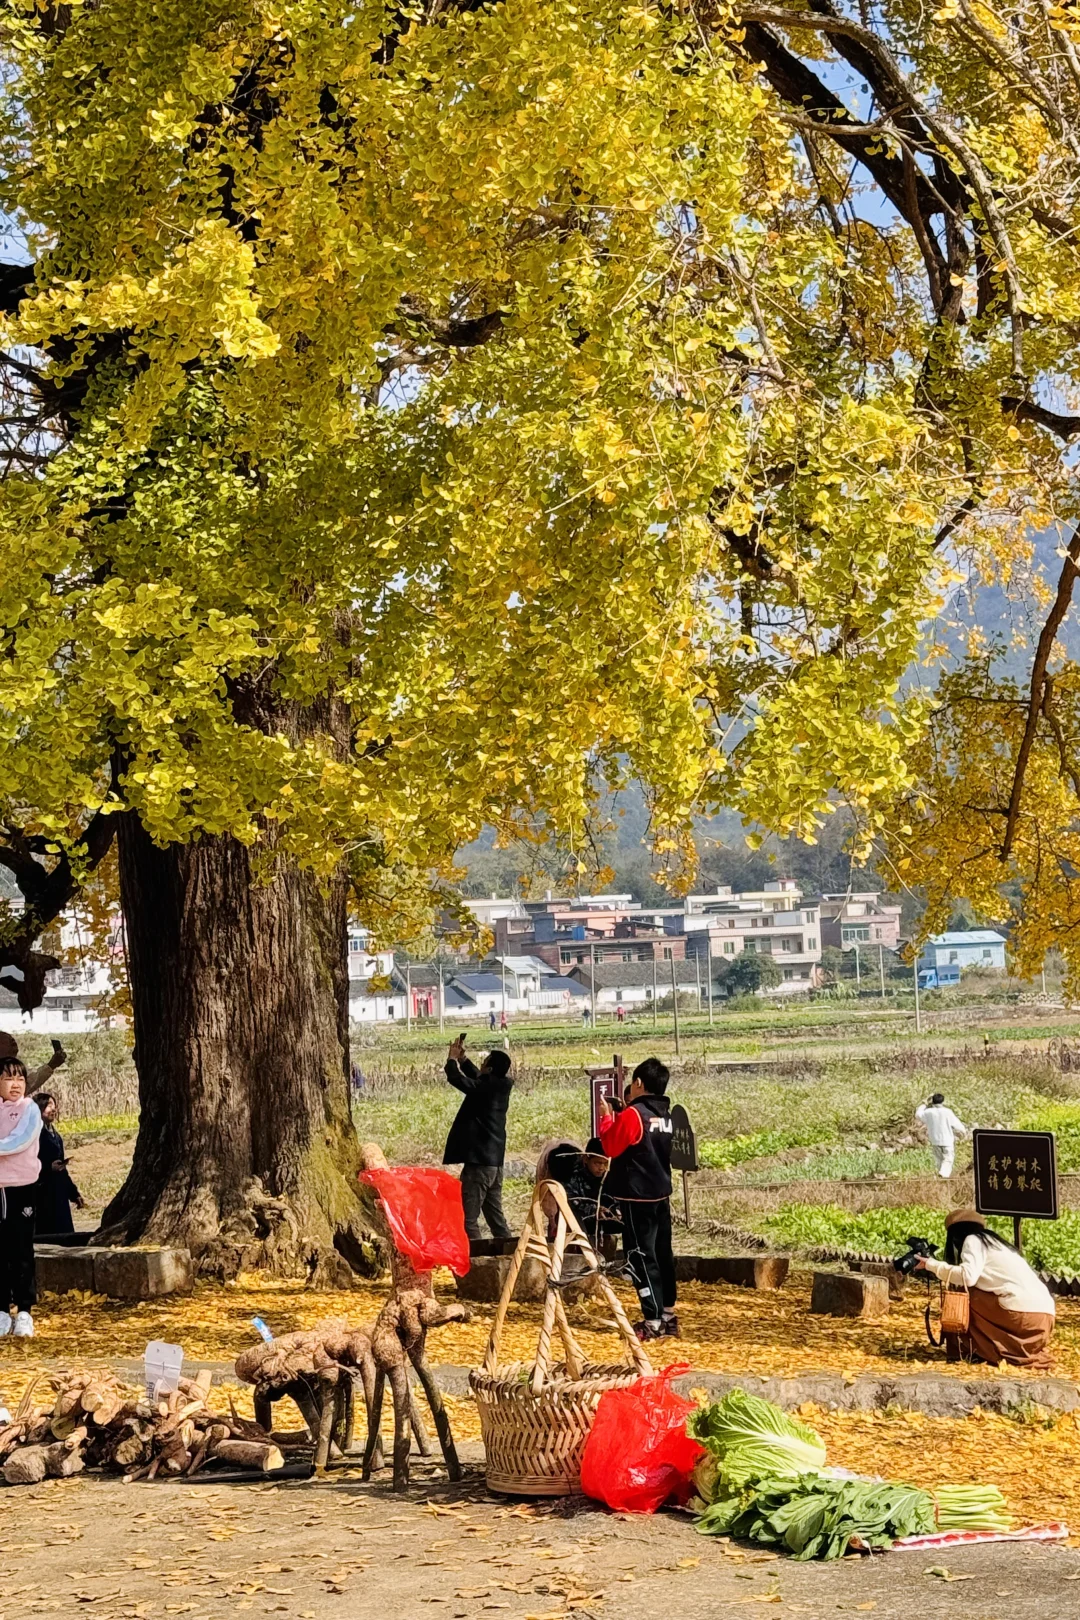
917,1249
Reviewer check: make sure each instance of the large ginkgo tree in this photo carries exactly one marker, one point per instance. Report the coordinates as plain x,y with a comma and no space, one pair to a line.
416,418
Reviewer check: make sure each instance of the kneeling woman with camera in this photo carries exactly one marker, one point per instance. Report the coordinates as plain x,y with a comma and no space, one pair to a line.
1011,1314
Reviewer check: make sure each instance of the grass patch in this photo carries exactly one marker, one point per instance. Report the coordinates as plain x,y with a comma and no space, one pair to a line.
97,1124
878,1231
758,1145
847,1165
1063,1118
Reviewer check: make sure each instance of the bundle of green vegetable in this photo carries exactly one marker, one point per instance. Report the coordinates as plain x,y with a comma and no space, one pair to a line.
816,1517
761,1478
746,1438
971,1507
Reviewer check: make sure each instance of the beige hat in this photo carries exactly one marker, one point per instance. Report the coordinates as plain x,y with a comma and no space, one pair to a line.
965,1217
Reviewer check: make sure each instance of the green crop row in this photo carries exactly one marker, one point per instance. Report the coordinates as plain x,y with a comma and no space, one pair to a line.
735,1150
1049,1245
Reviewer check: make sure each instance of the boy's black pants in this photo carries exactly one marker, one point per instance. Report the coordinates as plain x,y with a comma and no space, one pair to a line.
647,1241
18,1275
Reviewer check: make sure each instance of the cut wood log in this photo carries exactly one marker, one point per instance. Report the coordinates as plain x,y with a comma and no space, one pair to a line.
263,1455
26,1466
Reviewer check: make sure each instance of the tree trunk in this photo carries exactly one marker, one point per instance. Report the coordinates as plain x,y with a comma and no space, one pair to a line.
246,1152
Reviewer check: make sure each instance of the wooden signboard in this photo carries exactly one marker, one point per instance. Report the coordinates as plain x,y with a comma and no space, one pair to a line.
605,1083
683,1141
683,1153
1016,1174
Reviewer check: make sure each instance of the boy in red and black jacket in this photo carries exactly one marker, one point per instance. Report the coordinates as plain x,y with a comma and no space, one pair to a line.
638,1143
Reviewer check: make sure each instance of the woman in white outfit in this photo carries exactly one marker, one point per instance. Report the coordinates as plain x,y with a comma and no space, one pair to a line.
1012,1312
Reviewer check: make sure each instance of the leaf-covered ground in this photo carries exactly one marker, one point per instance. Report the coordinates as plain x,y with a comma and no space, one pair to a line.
1035,1460
724,1329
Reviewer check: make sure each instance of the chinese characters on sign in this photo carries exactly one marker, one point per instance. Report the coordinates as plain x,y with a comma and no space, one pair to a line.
607,1084
683,1141
1016,1174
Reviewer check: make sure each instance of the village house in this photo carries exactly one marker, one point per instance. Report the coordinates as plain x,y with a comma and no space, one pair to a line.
848,920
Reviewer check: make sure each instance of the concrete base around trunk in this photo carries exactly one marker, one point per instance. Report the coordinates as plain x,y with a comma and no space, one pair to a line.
119,1273
486,1277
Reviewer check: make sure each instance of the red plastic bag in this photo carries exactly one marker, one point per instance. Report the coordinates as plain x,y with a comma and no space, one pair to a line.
638,1452
424,1212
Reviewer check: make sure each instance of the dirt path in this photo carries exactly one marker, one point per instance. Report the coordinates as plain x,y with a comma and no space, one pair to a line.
332,1550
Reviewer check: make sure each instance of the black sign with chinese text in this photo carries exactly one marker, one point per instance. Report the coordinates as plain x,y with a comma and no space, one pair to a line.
1016,1174
683,1141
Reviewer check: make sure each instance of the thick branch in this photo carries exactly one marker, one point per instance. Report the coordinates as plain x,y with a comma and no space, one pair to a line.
47,893
1039,678
802,90
1066,427
16,281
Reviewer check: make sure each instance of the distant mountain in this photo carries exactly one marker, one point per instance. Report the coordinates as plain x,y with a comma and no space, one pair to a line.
1012,617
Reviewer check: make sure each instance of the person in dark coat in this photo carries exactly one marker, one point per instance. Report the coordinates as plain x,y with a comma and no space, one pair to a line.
56,1192
638,1142
477,1139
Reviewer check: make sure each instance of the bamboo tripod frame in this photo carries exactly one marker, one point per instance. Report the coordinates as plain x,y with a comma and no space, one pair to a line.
536,1420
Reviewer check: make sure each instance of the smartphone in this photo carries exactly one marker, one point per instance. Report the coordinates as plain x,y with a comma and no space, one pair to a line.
56,1045
462,1038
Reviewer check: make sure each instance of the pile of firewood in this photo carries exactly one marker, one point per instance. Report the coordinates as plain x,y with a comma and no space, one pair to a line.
93,1421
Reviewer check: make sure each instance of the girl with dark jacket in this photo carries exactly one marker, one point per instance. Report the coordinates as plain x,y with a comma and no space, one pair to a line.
56,1192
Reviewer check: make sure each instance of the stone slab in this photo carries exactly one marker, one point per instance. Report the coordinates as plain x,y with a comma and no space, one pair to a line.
881,1268
484,1281
744,1271
142,1273
836,1293
61,1270
936,1394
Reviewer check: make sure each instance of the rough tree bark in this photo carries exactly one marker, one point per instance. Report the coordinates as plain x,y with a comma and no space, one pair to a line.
246,1153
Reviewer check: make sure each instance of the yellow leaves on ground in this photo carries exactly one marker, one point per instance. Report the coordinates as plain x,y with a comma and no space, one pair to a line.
1036,1463
723,1329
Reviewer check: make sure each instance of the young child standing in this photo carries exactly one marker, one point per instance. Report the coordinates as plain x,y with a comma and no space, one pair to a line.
638,1142
20,1167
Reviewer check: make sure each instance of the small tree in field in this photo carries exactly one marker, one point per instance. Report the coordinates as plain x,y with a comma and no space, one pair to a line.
749,973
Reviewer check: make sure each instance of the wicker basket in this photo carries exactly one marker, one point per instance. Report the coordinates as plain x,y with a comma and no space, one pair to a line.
535,1420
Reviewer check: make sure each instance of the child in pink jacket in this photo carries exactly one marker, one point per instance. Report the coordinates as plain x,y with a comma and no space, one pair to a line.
20,1167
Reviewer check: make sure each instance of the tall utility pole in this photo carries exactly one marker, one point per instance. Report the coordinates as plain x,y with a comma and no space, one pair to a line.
408,996
697,970
592,982
442,1001
708,960
654,1012
918,1014
881,968
502,972
858,968
675,1002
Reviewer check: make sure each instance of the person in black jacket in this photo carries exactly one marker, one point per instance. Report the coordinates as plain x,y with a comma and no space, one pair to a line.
477,1139
55,1190
638,1142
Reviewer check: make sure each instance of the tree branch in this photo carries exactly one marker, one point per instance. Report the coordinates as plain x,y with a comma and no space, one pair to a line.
1066,427
1039,679
47,893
